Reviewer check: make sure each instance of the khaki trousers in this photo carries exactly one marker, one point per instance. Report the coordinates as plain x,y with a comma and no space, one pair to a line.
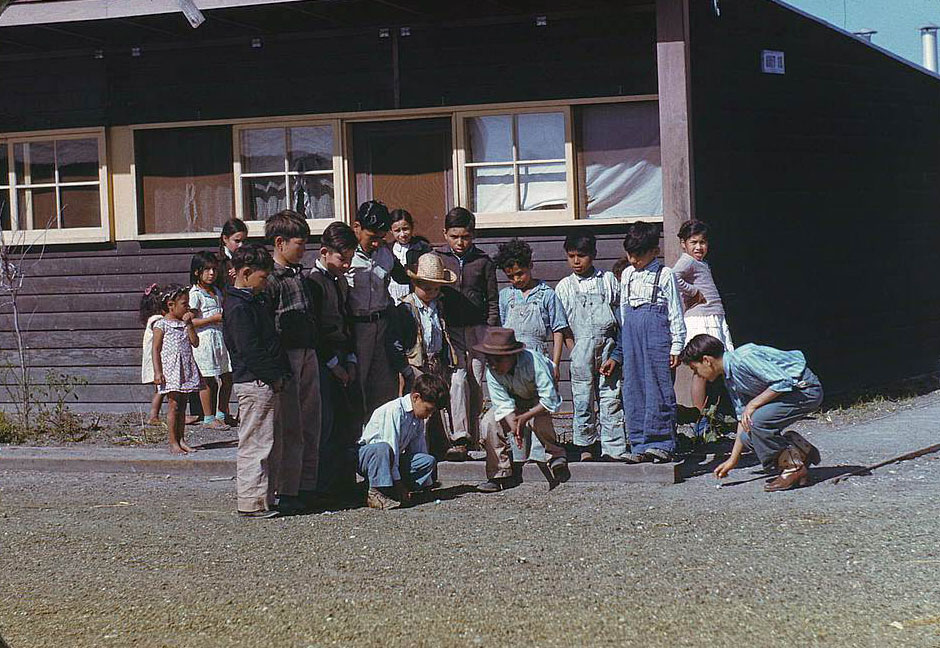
300,422
379,384
259,446
466,384
497,437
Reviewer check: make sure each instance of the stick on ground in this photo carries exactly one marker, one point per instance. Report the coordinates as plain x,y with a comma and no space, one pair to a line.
886,462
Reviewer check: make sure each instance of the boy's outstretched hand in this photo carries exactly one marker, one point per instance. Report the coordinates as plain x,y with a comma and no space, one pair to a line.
673,361
722,470
609,367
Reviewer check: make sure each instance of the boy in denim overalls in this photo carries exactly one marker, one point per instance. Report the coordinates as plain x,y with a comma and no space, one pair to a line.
591,298
532,310
652,338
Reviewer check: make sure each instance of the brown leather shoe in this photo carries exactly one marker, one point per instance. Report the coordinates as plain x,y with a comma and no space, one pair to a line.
810,452
376,499
793,471
587,455
788,479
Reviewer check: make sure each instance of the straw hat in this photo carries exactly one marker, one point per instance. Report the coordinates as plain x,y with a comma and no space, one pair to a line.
499,341
431,270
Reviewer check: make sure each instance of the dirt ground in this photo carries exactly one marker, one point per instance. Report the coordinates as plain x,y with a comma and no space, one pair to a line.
153,561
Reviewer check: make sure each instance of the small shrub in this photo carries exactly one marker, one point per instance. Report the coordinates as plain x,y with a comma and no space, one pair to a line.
10,430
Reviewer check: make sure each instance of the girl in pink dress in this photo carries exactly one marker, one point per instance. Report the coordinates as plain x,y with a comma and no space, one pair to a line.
174,368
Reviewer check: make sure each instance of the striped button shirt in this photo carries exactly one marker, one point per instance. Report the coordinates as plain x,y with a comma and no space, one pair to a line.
639,285
750,369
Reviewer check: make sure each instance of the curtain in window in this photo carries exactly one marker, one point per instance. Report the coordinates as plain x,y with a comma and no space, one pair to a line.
184,179
620,159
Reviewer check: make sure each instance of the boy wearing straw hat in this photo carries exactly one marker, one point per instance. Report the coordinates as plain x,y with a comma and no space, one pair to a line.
523,393
432,352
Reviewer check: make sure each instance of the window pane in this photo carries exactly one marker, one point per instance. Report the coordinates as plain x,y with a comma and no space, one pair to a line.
311,149
492,189
490,138
81,207
39,157
4,167
312,195
263,150
5,210
77,160
541,136
184,178
620,159
39,202
264,197
542,186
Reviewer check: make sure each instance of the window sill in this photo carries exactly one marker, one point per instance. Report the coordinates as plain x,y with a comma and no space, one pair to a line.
33,238
255,230
535,219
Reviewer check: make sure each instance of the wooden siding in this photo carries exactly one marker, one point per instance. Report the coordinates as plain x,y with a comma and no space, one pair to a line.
823,189
82,318
216,74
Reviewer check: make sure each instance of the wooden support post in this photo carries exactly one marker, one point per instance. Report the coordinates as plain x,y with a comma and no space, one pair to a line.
672,57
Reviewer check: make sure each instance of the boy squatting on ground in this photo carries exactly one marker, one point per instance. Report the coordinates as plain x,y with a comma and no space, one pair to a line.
523,393
591,298
432,352
341,410
652,337
373,266
259,370
393,452
470,306
294,316
770,389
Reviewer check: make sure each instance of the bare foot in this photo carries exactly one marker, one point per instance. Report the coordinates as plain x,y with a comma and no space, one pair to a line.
192,420
179,449
186,447
154,421
215,424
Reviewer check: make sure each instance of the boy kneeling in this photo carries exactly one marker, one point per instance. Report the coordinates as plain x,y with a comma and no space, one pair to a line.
393,452
770,389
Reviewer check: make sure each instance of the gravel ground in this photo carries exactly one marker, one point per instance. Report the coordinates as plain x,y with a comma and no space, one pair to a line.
136,560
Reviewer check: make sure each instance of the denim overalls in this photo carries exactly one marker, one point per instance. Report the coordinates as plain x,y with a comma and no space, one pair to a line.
525,318
649,398
595,329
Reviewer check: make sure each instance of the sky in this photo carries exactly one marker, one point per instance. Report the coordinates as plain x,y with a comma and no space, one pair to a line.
897,22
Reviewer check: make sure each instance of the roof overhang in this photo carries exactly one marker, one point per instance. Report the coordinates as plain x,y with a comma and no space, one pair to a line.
61,11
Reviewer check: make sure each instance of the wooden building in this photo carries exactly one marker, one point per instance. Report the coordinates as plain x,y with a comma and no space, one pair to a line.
127,137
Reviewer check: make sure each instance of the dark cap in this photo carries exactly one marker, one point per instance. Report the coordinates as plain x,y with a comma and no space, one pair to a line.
373,215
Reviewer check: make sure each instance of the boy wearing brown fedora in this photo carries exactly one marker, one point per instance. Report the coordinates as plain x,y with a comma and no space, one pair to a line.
432,352
523,393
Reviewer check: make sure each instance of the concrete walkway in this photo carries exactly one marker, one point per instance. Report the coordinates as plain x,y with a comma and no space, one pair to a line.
913,427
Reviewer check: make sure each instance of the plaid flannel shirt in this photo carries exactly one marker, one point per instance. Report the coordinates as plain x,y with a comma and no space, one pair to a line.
292,302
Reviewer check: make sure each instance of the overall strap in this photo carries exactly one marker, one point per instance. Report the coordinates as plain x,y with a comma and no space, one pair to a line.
656,289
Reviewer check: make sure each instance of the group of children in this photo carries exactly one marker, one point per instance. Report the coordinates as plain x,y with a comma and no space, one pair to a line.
373,361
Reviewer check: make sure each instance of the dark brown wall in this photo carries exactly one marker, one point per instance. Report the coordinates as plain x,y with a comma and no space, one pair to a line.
214,73
81,311
823,189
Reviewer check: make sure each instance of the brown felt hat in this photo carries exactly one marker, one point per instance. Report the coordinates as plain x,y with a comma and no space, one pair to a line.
431,270
499,341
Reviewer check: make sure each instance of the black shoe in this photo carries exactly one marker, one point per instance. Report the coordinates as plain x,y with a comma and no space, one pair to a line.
496,485
259,515
291,505
559,468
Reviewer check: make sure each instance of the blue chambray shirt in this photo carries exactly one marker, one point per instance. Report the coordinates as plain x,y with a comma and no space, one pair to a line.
553,312
529,381
752,368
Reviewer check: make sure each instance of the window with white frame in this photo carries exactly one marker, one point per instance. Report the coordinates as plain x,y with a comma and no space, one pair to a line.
517,162
287,168
52,183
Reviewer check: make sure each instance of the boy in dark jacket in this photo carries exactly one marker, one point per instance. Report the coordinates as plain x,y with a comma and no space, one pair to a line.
341,412
470,306
259,369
